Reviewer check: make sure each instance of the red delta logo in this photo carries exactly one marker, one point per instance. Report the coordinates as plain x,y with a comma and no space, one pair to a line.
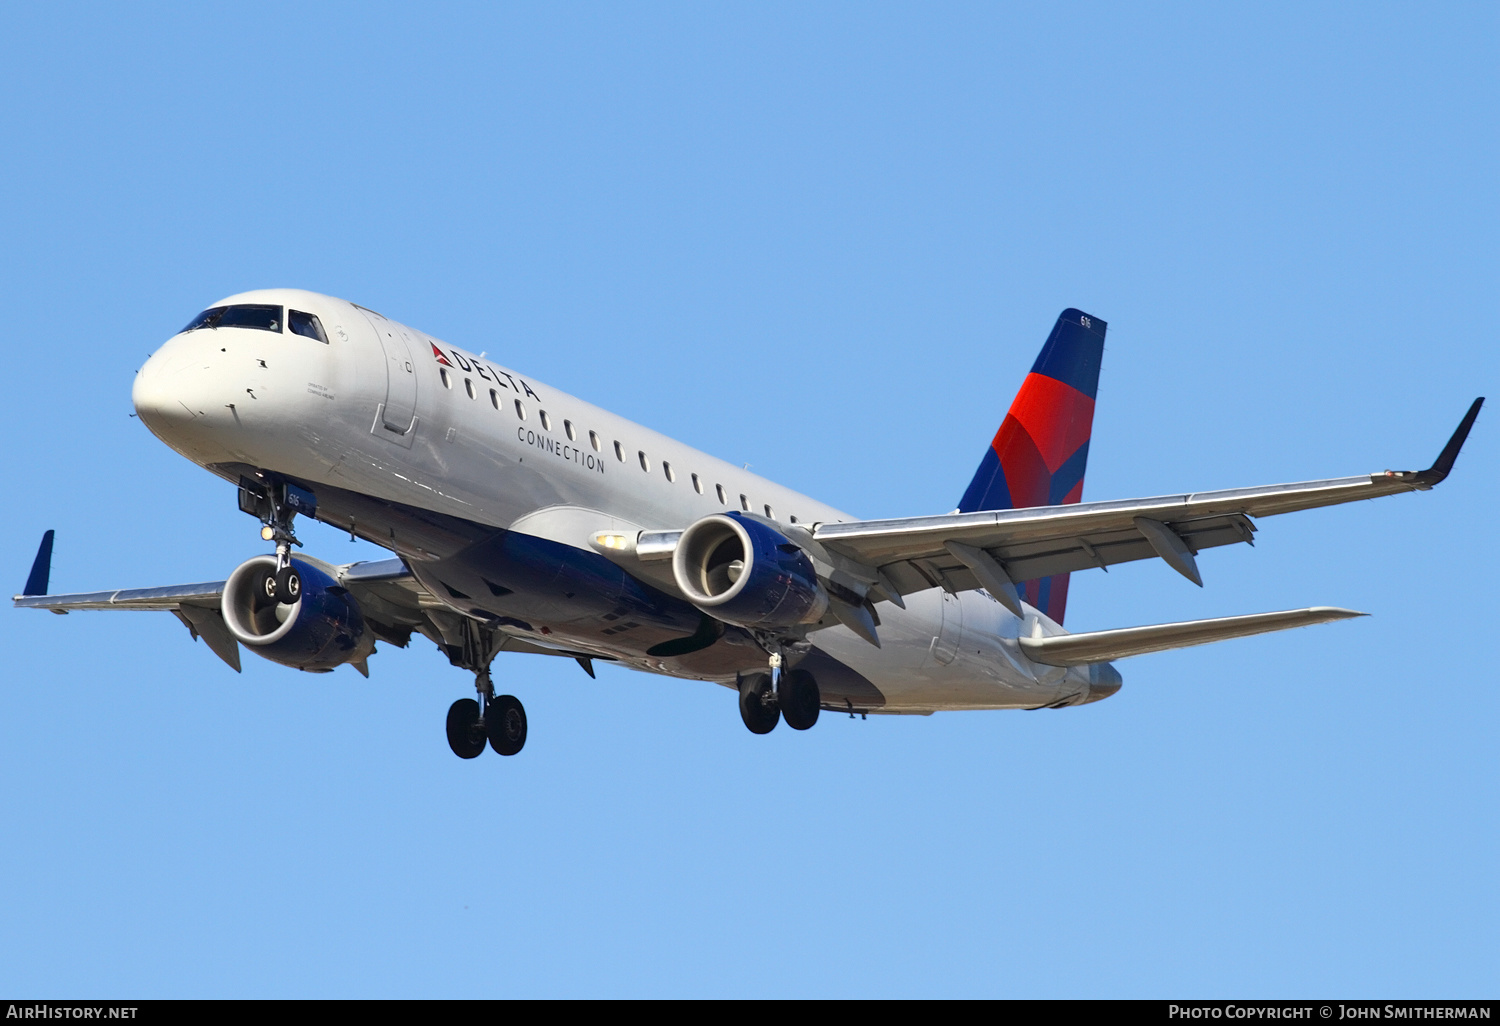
476,365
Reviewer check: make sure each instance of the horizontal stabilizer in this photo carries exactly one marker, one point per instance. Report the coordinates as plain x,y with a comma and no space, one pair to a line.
1104,646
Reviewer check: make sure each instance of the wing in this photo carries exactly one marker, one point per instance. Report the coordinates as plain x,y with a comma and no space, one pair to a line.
393,603
994,549
196,605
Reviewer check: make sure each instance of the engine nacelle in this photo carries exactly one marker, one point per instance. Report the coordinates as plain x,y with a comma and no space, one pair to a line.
745,572
322,629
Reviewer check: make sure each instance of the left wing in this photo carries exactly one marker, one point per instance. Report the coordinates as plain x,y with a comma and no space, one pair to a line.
393,603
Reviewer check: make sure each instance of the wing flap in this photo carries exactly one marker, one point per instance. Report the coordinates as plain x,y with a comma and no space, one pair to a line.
1105,646
208,623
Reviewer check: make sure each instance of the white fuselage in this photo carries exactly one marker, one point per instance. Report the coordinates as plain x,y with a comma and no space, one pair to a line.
486,444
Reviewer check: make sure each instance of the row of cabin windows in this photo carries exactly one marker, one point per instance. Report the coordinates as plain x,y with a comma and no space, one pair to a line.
594,441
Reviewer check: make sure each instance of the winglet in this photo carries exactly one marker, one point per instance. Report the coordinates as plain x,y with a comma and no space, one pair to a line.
1439,470
41,568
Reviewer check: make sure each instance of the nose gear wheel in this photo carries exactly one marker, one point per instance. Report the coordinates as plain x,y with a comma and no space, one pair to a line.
288,585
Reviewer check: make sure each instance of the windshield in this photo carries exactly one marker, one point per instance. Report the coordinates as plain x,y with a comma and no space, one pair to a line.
246,315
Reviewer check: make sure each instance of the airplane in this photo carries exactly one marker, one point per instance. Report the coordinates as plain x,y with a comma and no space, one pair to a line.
523,519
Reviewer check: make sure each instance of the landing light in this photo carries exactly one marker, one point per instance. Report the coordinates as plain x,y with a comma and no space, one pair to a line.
267,533
612,540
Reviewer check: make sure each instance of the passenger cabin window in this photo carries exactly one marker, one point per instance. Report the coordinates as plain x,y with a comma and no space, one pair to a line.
697,485
546,420
306,324
247,315
469,387
723,500
770,514
594,441
667,469
645,463
744,504
494,399
447,381
572,434
520,410
619,452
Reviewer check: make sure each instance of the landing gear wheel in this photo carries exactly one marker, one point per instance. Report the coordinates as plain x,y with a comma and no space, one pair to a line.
799,699
465,735
505,723
288,585
757,707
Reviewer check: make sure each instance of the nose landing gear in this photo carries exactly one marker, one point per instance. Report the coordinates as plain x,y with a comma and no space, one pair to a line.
288,581
277,503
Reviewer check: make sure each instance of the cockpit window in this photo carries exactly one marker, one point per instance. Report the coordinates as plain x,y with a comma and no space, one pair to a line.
306,324
207,319
247,315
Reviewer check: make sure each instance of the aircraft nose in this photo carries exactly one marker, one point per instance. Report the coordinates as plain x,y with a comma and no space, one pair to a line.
177,395
153,394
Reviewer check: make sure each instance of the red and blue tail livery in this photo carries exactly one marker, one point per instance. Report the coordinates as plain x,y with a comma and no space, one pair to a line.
1042,448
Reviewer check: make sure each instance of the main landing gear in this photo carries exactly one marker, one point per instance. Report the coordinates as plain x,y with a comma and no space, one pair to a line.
791,695
499,720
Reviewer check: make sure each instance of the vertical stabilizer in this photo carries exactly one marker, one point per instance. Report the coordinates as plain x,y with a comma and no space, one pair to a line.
1042,448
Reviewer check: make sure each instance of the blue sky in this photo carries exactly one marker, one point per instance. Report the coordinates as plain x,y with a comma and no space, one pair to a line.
825,240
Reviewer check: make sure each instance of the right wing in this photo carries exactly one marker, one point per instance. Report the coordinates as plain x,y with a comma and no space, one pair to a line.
993,550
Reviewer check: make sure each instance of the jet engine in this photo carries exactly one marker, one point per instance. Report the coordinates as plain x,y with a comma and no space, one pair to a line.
322,629
743,571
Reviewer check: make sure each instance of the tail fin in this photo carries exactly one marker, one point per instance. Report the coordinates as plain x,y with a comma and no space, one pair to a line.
1042,448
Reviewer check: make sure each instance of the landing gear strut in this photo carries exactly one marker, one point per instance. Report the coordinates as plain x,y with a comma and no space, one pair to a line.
499,720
